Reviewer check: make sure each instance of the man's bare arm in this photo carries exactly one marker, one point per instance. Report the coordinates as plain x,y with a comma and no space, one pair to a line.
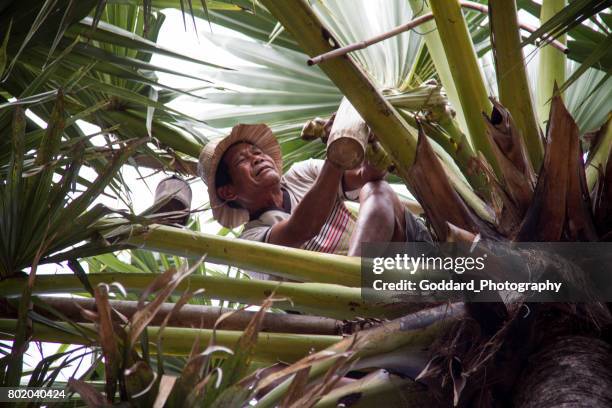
310,214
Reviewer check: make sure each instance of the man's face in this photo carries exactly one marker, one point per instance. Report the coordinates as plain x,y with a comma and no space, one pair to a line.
251,170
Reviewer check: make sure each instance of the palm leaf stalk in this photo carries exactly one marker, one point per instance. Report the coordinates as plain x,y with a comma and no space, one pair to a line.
379,388
281,261
392,131
552,63
438,56
463,64
192,316
410,337
513,86
444,130
179,341
318,299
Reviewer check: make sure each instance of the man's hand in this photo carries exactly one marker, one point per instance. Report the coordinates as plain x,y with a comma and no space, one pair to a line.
357,178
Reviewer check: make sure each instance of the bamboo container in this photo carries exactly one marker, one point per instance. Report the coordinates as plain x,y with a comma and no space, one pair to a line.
348,139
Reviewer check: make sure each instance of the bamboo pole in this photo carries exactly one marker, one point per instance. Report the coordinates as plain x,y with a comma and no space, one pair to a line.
551,67
511,74
270,347
285,262
339,52
463,65
392,131
335,301
193,316
348,138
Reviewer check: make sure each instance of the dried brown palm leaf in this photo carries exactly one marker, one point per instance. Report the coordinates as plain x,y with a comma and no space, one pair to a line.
511,154
441,203
561,208
90,395
108,342
165,283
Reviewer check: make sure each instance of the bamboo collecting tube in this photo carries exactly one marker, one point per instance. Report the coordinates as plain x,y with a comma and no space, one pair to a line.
348,138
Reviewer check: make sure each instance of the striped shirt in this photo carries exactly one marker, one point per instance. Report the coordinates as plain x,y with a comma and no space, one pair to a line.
336,232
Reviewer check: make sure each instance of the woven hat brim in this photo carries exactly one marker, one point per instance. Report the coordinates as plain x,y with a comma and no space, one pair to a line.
261,136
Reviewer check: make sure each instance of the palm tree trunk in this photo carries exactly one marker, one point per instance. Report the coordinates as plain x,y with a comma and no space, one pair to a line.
570,371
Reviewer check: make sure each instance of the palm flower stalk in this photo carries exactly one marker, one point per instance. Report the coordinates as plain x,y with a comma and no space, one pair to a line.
465,71
512,78
551,68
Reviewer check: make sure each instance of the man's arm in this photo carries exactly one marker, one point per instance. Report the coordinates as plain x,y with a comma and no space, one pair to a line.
311,212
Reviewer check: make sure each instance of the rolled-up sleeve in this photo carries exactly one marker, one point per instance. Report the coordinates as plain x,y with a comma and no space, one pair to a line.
259,233
259,229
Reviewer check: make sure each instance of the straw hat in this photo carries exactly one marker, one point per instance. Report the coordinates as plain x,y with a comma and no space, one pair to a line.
210,156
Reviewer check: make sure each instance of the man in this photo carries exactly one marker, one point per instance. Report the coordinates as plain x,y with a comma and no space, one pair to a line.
304,208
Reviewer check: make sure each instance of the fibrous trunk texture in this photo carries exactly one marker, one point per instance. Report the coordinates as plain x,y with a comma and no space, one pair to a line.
572,371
